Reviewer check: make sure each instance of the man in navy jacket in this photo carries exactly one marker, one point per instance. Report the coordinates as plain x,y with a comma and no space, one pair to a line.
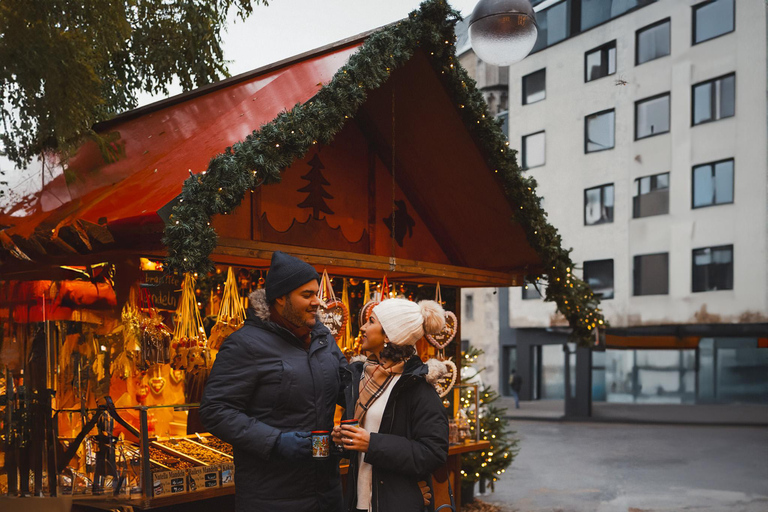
275,380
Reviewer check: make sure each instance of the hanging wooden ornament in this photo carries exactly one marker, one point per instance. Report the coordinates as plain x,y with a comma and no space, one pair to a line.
189,332
231,314
333,313
346,343
446,335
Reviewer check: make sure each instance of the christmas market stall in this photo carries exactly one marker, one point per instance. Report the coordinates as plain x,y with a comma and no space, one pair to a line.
374,159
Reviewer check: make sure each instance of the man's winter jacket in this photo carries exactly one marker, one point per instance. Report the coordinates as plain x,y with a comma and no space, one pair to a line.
264,383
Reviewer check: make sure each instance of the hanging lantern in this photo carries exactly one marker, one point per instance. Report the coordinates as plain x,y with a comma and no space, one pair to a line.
502,32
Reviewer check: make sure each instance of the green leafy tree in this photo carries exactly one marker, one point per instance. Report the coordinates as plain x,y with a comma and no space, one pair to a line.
67,64
488,465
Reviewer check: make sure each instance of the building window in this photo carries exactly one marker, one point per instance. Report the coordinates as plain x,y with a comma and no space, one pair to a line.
712,19
651,274
599,131
600,62
530,291
535,87
595,12
554,25
469,307
651,196
652,116
713,268
599,276
714,99
652,42
534,150
598,205
713,183
504,118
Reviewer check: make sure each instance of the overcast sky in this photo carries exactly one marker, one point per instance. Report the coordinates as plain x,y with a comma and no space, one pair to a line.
290,27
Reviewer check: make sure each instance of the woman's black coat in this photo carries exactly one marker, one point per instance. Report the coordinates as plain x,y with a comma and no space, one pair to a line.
411,444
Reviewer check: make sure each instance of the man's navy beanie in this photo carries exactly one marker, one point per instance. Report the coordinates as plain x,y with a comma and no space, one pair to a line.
287,273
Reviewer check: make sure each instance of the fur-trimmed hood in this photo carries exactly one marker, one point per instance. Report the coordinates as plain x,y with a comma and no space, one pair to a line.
257,301
258,312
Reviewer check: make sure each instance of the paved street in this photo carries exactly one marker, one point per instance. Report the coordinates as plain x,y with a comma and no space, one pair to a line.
598,467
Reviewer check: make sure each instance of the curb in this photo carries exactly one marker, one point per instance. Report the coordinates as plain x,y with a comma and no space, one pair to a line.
635,421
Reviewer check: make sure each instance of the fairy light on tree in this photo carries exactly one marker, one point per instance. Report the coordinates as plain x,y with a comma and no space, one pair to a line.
486,466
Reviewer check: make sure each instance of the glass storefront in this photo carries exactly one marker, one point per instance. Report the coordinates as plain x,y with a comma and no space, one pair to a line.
729,370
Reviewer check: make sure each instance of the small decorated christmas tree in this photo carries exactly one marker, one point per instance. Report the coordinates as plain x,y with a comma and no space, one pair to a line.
485,466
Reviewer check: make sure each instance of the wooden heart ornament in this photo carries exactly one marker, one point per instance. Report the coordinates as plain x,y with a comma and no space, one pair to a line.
444,337
334,316
447,381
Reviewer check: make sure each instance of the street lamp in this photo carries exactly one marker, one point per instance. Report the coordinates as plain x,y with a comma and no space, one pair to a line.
502,32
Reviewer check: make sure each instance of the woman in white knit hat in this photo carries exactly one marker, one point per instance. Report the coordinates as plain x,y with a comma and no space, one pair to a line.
403,434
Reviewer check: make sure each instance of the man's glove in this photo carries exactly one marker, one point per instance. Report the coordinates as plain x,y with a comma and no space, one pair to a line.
294,446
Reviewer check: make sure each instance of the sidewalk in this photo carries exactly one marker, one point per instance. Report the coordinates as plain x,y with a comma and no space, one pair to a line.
720,414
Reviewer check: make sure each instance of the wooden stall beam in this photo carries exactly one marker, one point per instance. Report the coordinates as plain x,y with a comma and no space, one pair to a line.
243,252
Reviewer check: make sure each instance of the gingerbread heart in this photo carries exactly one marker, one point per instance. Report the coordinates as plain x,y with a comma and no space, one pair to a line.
177,376
447,381
156,384
334,316
366,310
444,337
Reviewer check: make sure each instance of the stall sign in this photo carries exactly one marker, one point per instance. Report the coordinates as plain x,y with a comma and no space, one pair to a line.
167,483
204,477
164,290
227,474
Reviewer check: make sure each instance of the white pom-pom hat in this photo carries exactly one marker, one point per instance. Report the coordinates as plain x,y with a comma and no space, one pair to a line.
405,322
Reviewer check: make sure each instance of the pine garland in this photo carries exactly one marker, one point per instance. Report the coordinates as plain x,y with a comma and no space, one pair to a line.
261,157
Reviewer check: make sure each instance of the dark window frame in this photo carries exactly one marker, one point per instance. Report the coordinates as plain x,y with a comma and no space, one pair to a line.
636,277
704,82
613,276
637,187
525,89
523,152
586,134
602,200
693,267
606,46
713,164
647,27
537,288
695,8
669,114
577,22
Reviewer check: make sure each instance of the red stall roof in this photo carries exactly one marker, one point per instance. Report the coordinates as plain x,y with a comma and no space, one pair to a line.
117,206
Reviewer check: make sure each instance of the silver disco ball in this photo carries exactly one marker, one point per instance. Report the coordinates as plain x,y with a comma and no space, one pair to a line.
502,32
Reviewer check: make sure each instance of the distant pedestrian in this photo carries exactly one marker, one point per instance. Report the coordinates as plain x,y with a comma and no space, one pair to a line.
515,383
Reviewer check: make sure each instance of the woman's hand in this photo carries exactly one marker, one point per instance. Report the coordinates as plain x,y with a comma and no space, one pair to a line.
355,438
336,436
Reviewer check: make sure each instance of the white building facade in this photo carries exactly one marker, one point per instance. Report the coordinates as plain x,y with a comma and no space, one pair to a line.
645,125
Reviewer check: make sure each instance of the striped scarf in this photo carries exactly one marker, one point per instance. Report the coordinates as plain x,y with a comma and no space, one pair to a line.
376,378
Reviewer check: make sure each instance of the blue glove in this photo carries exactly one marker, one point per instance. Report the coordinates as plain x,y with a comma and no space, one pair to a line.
294,446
